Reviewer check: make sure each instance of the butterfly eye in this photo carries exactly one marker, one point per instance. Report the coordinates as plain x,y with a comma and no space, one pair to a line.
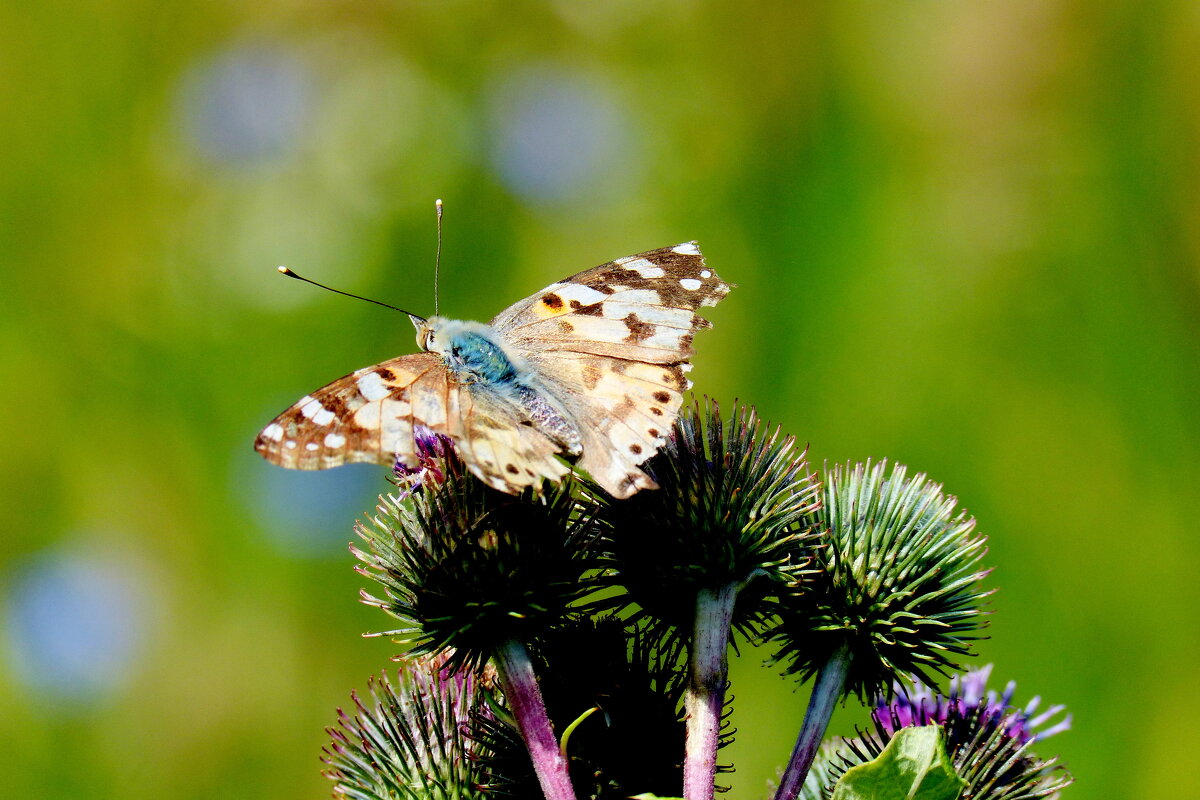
424,338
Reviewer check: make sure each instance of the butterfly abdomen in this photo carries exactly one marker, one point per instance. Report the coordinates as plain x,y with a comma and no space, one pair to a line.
547,419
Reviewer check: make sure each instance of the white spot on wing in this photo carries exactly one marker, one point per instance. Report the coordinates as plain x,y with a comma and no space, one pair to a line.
335,440
309,406
586,295
686,249
323,417
311,446
645,268
666,338
368,416
274,432
704,273
372,387
647,311
430,409
289,444
691,284
395,431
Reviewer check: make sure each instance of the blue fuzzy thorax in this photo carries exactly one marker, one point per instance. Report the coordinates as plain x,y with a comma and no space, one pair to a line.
471,352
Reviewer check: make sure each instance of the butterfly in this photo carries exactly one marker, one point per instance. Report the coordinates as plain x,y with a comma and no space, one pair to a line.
591,369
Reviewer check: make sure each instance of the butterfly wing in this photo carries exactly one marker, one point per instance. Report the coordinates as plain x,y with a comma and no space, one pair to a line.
367,416
612,344
492,437
375,415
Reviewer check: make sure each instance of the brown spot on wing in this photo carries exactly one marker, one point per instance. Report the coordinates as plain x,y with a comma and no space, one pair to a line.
675,379
552,301
591,376
628,278
639,331
336,404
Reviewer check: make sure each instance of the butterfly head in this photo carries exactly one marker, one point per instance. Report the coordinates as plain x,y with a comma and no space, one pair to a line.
427,330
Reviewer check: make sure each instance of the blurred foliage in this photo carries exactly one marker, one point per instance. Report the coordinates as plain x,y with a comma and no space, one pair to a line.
965,236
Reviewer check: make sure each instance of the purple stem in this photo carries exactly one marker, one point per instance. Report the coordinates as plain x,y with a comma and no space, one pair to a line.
830,682
524,700
705,697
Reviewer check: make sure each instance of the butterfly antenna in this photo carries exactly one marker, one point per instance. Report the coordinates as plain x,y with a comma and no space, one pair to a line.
437,259
416,320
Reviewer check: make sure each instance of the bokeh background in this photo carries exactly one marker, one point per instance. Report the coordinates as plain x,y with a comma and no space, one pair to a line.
965,236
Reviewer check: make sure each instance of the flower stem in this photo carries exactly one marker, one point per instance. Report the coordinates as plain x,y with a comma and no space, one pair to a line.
706,689
830,682
525,702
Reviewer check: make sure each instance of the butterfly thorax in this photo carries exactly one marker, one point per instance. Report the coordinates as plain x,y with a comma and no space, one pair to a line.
474,354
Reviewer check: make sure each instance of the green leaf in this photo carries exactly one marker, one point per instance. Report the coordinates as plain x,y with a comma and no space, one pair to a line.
913,766
653,797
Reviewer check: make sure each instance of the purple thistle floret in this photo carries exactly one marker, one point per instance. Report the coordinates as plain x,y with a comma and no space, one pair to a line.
917,705
432,449
988,740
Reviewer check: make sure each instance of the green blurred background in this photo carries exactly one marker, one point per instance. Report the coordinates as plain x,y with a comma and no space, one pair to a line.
965,238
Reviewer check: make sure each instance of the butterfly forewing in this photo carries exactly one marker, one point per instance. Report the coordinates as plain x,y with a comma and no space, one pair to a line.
612,343
367,416
640,307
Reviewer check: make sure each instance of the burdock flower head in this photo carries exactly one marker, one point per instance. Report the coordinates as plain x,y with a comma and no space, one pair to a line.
409,740
988,740
481,575
897,592
469,568
731,510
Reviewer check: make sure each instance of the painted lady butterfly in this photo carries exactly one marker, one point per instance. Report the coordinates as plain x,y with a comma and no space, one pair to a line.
592,367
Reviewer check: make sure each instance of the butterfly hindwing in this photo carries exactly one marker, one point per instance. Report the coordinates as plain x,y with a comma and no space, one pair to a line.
498,447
